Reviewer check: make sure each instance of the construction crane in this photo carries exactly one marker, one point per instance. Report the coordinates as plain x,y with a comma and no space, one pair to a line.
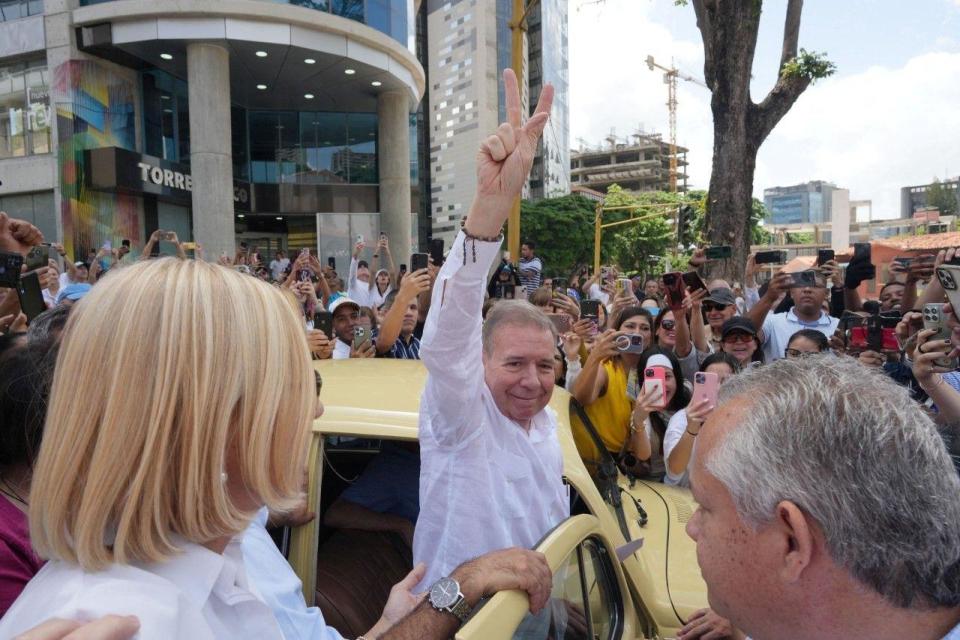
670,75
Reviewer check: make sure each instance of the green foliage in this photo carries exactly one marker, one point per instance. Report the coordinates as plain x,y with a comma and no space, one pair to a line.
563,230
810,65
942,198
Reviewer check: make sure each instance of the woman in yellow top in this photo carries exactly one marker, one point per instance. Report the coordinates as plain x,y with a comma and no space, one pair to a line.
607,388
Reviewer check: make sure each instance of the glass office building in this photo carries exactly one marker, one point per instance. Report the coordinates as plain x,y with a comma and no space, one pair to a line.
279,124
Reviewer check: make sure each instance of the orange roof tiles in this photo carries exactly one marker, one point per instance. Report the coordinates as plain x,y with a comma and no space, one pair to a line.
917,243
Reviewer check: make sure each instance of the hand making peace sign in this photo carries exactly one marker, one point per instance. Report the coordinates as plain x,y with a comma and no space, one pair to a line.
505,159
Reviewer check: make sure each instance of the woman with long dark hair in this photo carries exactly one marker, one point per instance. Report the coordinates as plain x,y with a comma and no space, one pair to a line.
652,413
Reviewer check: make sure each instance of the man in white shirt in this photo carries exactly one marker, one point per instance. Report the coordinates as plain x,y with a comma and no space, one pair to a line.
278,265
807,313
346,317
491,465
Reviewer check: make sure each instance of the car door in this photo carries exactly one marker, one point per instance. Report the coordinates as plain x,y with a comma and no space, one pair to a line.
589,601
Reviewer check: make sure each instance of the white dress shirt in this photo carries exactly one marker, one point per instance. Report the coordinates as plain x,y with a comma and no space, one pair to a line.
280,587
485,482
341,350
196,594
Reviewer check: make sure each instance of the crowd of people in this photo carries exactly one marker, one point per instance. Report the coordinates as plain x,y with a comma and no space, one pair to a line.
813,427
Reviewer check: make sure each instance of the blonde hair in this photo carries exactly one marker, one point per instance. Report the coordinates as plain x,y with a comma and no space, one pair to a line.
159,381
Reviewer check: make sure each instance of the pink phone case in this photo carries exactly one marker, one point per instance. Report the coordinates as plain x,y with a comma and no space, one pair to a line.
656,380
705,385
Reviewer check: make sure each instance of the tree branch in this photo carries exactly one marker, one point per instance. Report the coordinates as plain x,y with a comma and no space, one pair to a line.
791,32
764,117
702,10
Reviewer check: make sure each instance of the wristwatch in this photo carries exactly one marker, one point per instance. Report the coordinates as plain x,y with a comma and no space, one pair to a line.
445,595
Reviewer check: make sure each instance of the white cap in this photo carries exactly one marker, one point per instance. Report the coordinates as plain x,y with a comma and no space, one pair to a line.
339,302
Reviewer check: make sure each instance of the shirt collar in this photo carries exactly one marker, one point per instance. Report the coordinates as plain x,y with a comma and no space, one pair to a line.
194,569
823,320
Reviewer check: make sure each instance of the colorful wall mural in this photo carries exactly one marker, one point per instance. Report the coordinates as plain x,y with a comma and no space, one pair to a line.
95,108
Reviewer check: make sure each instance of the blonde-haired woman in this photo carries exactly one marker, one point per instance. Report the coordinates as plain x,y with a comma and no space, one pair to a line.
162,442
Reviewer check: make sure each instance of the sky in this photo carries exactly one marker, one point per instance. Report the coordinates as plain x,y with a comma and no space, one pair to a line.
889,117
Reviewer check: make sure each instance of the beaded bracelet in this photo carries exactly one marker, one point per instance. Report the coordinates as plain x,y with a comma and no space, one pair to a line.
468,236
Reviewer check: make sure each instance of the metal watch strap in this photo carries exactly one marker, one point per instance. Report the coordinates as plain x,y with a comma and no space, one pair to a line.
460,609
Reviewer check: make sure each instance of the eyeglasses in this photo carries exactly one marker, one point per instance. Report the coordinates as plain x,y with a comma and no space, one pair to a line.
738,337
714,306
319,382
795,353
668,325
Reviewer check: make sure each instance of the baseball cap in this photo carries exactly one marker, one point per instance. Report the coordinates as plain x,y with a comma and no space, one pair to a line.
341,301
80,263
722,295
73,292
738,323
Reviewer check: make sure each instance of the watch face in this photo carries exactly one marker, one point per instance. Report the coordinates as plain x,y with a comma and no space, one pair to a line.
443,593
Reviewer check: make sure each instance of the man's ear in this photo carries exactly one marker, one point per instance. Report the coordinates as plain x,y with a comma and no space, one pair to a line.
796,530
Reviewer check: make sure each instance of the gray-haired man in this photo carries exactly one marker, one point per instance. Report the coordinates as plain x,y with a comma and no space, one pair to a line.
491,466
829,507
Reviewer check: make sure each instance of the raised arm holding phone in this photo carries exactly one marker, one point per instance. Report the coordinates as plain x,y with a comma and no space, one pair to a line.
489,448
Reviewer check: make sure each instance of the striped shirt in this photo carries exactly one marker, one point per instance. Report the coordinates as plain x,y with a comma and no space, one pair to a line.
531,274
405,350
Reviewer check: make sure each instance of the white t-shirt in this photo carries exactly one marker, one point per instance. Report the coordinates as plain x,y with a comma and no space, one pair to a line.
277,267
596,293
675,429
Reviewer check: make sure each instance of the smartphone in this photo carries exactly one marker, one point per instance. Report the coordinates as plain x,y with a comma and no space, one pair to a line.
359,239
624,284
861,252
189,246
332,262
705,385
323,321
721,252
770,257
655,378
31,296
888,330
361,335
949,276
561,322
934,318
403,269
436,250
806,278
419,261
693,281
10,265
559,284
825,255
37,257
673,283
590,310
630,344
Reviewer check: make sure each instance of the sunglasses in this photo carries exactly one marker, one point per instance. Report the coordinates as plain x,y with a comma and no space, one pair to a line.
668,325
714,306
795,353
738,337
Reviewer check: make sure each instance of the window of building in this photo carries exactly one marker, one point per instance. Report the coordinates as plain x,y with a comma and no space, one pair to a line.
25,113
166,117
16,9
35,208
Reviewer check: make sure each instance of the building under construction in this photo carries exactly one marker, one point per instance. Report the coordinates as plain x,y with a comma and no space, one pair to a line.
641,163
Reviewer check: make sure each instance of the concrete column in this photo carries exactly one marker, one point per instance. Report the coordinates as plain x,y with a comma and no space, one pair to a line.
211,158
393,157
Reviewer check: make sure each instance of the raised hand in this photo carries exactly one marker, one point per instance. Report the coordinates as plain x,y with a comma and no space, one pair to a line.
17,236
505,159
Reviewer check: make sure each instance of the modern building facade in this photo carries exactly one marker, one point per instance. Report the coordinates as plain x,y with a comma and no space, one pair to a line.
469,44
639,164
280,124
808,203
915,197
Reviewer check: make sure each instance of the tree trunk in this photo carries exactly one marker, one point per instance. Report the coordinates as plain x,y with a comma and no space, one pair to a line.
730,199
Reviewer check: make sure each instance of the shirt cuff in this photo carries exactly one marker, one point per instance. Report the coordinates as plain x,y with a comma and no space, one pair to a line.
472,257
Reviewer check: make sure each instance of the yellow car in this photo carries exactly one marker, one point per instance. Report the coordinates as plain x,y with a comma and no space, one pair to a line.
623,564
